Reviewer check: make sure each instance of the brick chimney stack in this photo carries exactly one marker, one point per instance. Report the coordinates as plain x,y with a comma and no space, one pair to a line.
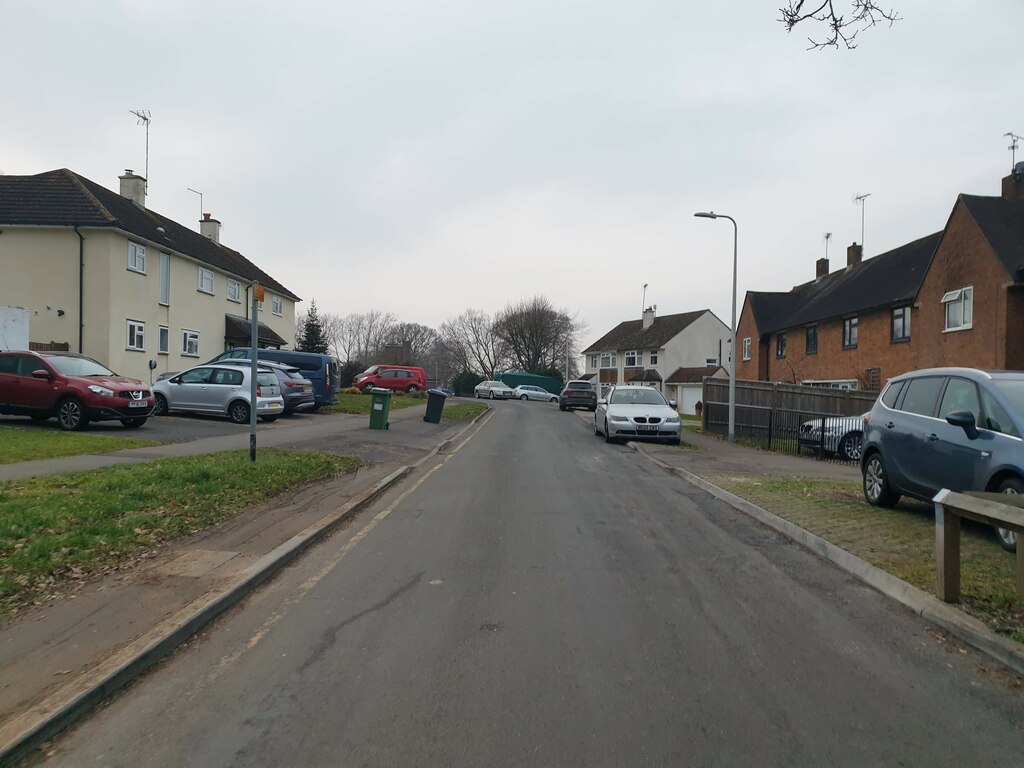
210,227
1013,185
821,267
133,187
854,253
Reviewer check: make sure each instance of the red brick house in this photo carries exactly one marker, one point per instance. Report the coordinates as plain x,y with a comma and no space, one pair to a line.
952,298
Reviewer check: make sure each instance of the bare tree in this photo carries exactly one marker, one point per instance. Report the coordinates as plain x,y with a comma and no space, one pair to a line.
841,28
472,343
538,336
420,339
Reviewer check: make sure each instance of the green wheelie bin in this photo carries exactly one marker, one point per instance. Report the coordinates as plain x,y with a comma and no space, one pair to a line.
380,408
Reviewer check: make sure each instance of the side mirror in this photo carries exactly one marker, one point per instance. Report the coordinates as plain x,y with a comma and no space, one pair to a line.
672,403
964,420
41,374
602,401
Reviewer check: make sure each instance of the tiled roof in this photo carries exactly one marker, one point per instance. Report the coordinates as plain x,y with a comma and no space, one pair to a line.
1002,223
692,375
63,198
630,334
886,280
238,328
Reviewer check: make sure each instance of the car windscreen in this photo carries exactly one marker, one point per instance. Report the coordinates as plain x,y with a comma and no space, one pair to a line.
372,369
78,366
1013,390
638,396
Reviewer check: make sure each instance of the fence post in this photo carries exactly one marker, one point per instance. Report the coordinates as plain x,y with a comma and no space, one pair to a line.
771,419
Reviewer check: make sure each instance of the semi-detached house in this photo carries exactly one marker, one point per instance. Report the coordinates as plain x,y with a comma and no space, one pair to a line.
112,279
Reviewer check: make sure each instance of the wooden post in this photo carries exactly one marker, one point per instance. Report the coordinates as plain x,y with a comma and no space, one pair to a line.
1020,566
947,555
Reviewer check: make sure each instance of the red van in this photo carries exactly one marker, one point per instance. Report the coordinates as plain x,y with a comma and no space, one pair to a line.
401,378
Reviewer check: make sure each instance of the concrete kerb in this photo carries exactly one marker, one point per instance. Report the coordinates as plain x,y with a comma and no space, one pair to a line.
967,628
68,704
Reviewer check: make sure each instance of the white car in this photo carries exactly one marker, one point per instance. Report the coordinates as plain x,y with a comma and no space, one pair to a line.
493,390
221,389
530,392
843,435
637,413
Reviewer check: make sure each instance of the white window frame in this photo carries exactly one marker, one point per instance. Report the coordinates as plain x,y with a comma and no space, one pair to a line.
638,359
654,357
594,359
277,305
746,348
609,360
136,257
710,362
234,291
259,306
846,384
201,283
963,300
135,336
186,337
163,343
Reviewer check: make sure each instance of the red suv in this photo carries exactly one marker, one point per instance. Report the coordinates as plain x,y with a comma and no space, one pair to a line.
74,388
402,378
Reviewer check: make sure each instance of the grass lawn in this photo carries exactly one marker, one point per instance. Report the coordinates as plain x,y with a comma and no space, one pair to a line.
65,527
360,404
31,443
463,411
900,541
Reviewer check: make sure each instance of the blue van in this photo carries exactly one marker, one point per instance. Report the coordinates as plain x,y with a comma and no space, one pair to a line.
322,370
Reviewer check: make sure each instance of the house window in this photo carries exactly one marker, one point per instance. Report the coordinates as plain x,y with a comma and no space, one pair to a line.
136,336
746,348
164,343
277,305
812,340
205,280
634,359
710,362
136,257
901,324
654,358
850,333
608,361
959,308
593,361
780,345
234,291
190,343
165,278
259,306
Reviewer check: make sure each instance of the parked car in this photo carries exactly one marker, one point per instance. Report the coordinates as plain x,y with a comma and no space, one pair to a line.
74,388
955,428
494,390
323,370
578,394
530,392
637,413
400,378
843,435
296,389
221,389
448,391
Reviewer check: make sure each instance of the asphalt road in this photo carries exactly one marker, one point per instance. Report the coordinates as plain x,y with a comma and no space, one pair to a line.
540,598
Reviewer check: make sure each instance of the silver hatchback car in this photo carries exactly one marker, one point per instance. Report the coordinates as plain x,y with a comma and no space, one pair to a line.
955,428
220,389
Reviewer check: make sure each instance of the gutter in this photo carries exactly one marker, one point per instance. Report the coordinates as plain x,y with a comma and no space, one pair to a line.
81,286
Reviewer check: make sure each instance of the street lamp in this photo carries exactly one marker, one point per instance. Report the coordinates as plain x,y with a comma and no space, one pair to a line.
732,347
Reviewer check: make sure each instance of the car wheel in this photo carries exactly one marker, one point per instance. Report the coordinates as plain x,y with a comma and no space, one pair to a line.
239,412
476,394
1007,538
70,415
413,388
492,394
135,422
608,435
522,397
160,409
367,388
553,400
849,446
877,490
270,419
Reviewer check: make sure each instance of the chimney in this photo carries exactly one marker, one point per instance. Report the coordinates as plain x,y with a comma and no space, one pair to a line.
853,254
210,227
133,187
821,267
1013,185
649,316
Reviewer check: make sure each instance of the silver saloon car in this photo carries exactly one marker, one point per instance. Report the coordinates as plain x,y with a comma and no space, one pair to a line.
493,390
637,413
531,392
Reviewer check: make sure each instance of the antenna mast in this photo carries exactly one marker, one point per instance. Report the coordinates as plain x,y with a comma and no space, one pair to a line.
1013,148
196,191
643,301
828,236
860,199
144,118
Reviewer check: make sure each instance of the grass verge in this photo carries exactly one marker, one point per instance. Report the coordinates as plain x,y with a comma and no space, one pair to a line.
63,528
900,541
463,411
360,404
29,444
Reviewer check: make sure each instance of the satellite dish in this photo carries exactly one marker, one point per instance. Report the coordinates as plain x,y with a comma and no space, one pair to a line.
1018,169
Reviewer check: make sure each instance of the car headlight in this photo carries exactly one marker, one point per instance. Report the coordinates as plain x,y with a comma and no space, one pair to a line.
101,390
618,418
672,420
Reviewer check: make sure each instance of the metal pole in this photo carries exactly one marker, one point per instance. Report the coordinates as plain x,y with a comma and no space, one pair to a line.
253,346
732,348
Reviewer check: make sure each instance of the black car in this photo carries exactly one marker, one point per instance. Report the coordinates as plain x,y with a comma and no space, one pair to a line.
578,394
297,391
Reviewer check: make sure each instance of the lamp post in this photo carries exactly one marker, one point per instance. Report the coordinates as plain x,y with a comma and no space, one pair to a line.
732,347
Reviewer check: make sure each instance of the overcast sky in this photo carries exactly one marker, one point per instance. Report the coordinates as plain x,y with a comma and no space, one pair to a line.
423,158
